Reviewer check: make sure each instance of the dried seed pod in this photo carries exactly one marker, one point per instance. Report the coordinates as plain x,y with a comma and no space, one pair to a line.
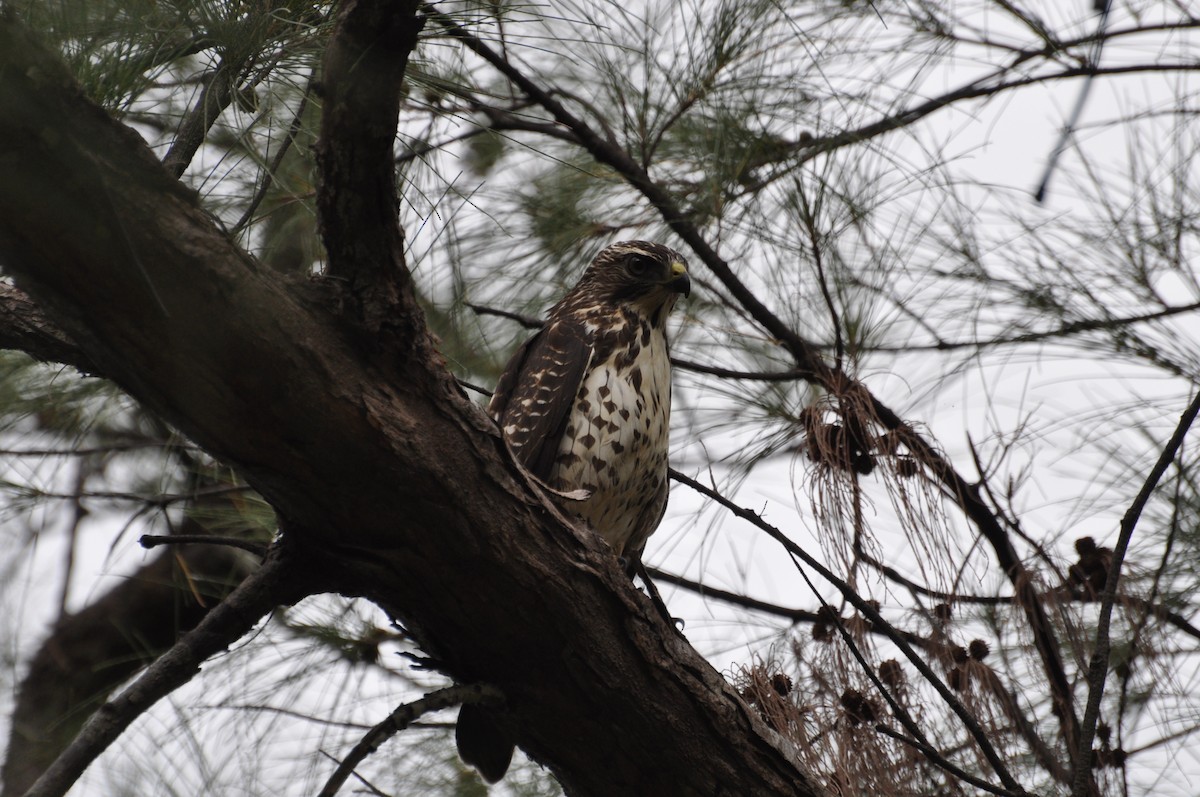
836,446
858,708
891,673
1091,571
978,649
827,614
1108,758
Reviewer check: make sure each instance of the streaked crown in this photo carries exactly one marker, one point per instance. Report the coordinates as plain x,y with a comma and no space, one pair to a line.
633,270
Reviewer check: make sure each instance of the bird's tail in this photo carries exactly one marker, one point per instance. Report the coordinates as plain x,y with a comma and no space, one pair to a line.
482,742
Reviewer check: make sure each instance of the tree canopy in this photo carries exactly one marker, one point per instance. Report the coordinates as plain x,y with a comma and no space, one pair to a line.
933,521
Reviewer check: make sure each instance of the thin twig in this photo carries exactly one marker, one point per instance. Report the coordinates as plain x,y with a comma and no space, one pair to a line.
400,719
276,582
808,217
940,760
754,604
161,500
1068,130
529,322
84,469
269,176
868,611
155,540
1098,667
791,375
1063,330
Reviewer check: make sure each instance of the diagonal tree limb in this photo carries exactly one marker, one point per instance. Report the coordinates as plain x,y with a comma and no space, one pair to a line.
91,652
278,581
809,362
215,95
1098,667
370,441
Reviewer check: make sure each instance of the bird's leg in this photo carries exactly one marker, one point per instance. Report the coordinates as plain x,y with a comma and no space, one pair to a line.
655,598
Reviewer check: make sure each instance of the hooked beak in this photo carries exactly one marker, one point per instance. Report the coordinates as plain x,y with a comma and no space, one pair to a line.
680,282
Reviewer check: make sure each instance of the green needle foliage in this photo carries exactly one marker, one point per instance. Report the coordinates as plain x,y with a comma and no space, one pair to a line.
997,374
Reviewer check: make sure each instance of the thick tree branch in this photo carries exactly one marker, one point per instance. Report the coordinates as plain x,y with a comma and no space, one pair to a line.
401,482
357,203
807,356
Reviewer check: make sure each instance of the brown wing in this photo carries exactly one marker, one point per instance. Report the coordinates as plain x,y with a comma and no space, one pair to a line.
534,396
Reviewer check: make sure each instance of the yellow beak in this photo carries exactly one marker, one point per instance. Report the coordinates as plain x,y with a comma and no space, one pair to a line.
680,282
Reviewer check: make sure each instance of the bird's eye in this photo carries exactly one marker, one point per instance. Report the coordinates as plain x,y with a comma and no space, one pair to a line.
640,265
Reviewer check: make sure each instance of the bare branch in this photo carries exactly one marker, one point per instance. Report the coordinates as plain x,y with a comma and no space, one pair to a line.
215,96
400,719
1065,330
1098,667
805,353
277,582
155,540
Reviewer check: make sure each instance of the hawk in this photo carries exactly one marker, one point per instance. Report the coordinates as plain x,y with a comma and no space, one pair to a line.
584,406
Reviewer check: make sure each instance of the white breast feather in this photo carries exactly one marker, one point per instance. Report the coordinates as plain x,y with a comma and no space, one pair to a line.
618,507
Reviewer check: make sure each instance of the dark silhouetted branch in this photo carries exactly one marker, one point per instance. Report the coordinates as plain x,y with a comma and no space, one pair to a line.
805,353
1098,666
277,582
400,719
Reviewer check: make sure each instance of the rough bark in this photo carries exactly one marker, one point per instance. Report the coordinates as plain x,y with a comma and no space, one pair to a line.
368,448
24,327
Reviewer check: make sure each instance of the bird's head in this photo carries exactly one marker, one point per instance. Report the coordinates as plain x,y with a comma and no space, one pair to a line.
639,273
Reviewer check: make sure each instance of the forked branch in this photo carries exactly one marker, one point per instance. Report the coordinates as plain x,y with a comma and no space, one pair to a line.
806,354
